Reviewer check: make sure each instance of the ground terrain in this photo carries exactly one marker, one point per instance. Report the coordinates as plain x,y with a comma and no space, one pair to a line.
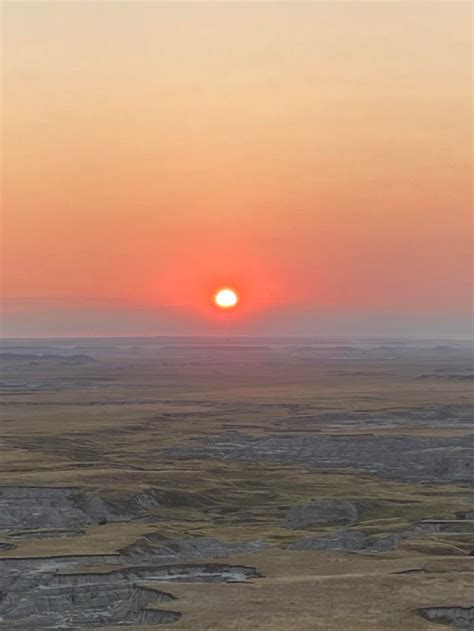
237,484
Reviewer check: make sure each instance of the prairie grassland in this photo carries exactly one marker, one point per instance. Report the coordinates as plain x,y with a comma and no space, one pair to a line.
159,443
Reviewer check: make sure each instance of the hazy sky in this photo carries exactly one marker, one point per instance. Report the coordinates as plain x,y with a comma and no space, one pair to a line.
315,156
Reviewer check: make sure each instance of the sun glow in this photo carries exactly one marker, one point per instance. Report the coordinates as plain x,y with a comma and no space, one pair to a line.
226,298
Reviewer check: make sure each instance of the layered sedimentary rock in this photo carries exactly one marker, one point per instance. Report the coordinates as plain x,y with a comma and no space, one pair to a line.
52,593
407,458
459,617
321,512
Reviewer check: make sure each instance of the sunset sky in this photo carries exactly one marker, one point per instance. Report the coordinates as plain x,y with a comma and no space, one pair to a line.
316,157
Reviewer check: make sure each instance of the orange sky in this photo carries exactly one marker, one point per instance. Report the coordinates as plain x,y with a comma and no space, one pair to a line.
316,156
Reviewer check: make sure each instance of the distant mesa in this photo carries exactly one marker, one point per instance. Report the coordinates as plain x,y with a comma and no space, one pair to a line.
325,349
383,350
452,377
196,348
76,359
443,348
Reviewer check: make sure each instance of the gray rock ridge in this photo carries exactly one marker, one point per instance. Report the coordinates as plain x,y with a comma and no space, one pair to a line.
55,593
345,540
72,607
155,546
67,508
42,508
323,512
6,547
459,617
355,540
405,458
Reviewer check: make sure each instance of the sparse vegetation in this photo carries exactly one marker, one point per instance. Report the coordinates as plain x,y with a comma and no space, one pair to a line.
171,457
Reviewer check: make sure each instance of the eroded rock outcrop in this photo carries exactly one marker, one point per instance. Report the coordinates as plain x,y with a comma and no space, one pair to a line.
39,507
155,546
69,605
31,507
410,458
321,512
459,617
347,540
6,547
53,593
352,540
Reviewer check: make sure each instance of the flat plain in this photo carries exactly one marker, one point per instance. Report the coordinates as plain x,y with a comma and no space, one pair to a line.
237,483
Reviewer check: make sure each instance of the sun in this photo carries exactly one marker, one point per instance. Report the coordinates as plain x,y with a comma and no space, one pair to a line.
226,298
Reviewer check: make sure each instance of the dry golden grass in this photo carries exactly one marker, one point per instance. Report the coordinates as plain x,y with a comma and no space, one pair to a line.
112,438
